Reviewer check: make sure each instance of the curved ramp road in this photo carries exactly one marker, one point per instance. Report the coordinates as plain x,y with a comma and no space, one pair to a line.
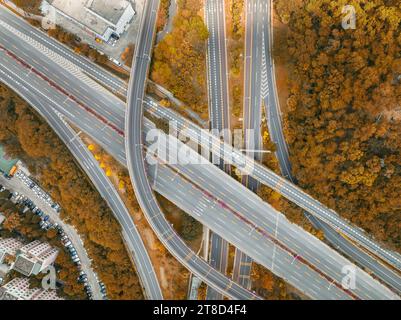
267,177
91,167
136,166
18,45
264,175
226,196
219,111
272,106
43,91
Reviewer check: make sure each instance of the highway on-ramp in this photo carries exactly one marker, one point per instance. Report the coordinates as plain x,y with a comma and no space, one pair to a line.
195,177
106,189
90,101
219,111
136,166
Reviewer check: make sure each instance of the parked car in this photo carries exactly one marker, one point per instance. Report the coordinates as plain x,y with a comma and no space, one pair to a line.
44,225
67,244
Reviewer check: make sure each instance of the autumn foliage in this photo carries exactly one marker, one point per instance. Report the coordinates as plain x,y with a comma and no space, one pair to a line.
342,120
27,136
179,59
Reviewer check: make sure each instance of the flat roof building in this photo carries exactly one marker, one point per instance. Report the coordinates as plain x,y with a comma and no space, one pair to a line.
34,257
18,289
101,18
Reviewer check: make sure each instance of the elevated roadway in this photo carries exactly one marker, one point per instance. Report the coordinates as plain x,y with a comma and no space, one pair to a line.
219,111
136,166
91,167
105,126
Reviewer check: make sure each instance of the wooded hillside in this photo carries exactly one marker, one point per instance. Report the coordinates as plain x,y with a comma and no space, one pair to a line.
343,114
26,136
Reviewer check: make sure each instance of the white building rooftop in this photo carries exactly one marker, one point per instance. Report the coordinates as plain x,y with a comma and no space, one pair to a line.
102,18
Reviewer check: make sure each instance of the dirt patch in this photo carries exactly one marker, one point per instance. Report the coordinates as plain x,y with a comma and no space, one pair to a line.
150,239
235,25
393,115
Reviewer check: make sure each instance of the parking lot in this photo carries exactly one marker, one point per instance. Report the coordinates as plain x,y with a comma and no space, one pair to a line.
25,192
41,194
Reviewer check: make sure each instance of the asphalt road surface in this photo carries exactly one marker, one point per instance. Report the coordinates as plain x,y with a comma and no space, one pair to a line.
90,165
16,185
219,111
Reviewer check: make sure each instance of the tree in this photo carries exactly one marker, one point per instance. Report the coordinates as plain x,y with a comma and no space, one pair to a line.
340,119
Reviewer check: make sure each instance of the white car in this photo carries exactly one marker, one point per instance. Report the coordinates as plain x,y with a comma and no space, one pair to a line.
67,244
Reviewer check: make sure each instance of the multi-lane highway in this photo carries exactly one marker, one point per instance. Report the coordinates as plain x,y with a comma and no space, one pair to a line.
252,116
136,165
228,196
31,80
217,68
91,167
252,110
251,224
50,46
64,98
272,109
219,110
198,177
267,177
